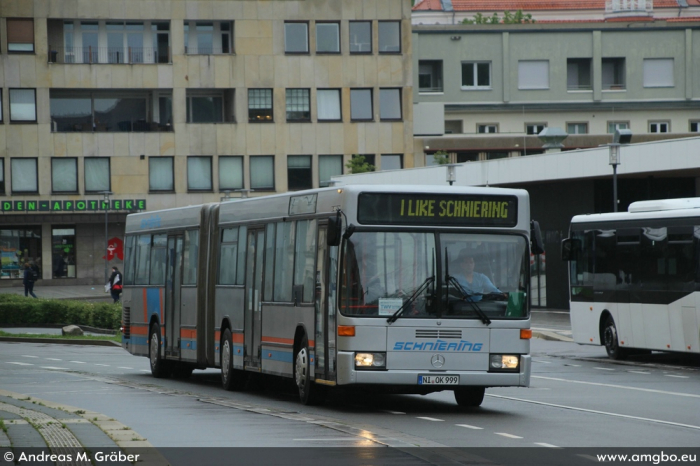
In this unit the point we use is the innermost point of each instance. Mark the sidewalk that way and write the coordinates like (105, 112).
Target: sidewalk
(86, 292)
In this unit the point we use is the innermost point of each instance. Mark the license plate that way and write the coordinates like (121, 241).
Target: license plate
(438, 380)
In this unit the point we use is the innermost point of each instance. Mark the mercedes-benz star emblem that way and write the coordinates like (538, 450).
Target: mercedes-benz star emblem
(438, 360)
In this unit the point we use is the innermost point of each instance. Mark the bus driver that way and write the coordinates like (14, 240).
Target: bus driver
(474, 283)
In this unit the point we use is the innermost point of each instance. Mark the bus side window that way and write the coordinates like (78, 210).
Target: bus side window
(228, 256)
(158, 256)
(305, 254)
(269, 261)
(129, 260)
(143, 259)
(191, 257)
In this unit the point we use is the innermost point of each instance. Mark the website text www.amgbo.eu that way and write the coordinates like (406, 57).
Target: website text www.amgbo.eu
(656, 458)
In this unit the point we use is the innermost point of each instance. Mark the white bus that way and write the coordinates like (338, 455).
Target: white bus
(346, 286)
(635, 278)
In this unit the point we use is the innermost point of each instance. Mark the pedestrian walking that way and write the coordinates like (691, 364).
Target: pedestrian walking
(30, 276)
(115, 284)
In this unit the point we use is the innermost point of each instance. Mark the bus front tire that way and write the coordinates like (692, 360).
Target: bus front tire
(469, 397)
(159, 367)
(611, 341)
(230, 379)
(309, 392)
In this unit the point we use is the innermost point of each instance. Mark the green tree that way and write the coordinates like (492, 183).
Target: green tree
(357, 164)
(508, 18)
(441, 158)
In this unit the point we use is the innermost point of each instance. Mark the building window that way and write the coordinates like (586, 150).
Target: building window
(20, 35)
(496, 155)
(613, 73)
(360, 37)
(1, 106)
(577, 128)
(230, 173)
(534, 128)
(208, 37)
(361, 105)
(328, 104)
(327, 37)
(476, 75)
(260, 105)
(63, 251)
(533, 74)
(299, 172)
(659, 127)
(210, 105)
(25, 176)
(391, 162)
(328, 167)
(430, 75)
(694, 126)
(492, 128)
(97, 174)
(578, 74)
(389, 37)
(298, 105)
(64, 175)
(2, 176)
(658, 72)
(454, 127)
(262, 172)
(161, 174)
(613, 125)
(19, 245)
(390, 104)
(22, 105)
(199, 175)
(296, 37)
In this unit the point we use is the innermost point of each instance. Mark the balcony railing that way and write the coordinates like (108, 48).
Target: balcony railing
(629, 6)
(65, 125)
(109, 55)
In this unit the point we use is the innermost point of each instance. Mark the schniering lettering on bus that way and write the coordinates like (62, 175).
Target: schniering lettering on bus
(410, 289)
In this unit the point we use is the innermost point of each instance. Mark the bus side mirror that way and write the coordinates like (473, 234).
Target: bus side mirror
(570, 248)
(536, 244)
(334, 227)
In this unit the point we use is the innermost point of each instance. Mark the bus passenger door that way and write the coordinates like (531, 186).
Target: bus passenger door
(325, 307)
(173, 281)
(253, 293)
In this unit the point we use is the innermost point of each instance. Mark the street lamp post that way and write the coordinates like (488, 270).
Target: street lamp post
(451, 173)
(106, 204)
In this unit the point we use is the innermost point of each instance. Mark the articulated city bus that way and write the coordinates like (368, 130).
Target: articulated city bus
(353, 286)
(635, 278)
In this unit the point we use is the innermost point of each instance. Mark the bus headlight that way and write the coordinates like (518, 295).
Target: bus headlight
(504, 362)
(370, 360)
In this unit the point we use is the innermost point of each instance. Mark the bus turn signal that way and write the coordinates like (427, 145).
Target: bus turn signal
(346, 330)
(525, 333)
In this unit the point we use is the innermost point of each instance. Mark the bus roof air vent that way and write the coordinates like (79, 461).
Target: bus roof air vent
(664, 204)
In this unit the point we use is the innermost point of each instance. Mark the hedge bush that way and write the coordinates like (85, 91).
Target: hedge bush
(18, 310)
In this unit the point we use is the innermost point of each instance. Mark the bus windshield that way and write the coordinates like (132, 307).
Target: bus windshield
(434, 274)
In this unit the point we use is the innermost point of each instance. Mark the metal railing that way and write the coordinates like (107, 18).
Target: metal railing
(109, 55)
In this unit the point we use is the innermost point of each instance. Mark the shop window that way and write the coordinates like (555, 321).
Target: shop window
(63, 251)
(17, 246)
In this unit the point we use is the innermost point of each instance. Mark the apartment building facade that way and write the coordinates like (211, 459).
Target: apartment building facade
(114, 106)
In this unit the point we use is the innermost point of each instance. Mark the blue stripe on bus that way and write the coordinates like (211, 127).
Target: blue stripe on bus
(192, 344)
(153, 304)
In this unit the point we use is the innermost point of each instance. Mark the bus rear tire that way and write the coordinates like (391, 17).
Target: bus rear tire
(231, 379)
(309, 392)
(159, 367)
(611, 342)
(469, 397)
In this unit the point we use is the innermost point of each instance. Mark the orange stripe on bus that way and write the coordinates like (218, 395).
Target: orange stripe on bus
(188, 333)
(285, 341)
(140, 330)
(237, 338)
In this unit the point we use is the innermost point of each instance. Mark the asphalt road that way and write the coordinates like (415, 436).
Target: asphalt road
(578, 398)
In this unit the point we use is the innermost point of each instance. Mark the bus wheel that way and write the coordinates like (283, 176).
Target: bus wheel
(469, 397)
(159, 367)
(230, 379)
(611, 342)
(309, 392)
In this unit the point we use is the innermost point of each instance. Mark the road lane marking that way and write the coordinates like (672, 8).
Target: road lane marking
(145, 370)
(53, 359)
(639, 372)
(28, 356)
(391, 412)
(78, 362)
(594, 411)
(573, 365)
(548, 445)
(506, 435)
(469, 427)
(21, 363)
(125, 368)
(603, 368)
(677, 376)
(540, 361)
(53, 368)
(103, 365)
(648, 390)
(429, 419)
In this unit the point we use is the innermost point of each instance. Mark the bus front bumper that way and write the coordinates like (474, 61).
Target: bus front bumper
(347, 375)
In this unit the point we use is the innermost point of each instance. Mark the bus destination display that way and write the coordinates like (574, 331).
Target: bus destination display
(439, 209)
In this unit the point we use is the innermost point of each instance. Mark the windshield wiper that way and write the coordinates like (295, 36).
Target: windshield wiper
(428, 281)
(466, 296)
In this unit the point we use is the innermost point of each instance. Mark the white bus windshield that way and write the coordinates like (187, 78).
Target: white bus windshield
(428, 275)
